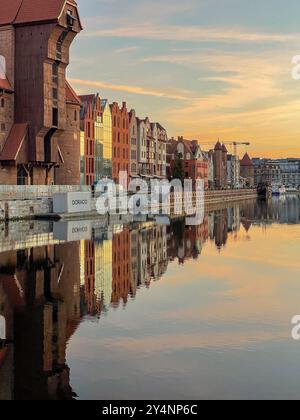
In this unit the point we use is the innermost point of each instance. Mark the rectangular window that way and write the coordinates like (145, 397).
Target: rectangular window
(70, 18)
(55, 73)
(54, 117)
(54, 93)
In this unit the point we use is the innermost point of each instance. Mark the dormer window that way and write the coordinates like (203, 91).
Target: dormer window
(70, 18)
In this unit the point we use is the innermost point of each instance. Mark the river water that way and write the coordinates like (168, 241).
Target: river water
(154, 311)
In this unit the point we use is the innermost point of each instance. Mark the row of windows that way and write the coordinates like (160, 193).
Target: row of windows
(117, 153)
(118, 138)
(90, 147)
(118, 167)
(117, 122)
(90, 165)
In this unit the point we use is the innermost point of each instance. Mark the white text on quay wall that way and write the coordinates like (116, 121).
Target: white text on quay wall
(296, 328)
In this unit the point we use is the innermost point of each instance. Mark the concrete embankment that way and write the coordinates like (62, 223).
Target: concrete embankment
(38, 203)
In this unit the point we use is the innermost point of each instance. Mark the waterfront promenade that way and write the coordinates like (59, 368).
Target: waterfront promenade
(19, 203)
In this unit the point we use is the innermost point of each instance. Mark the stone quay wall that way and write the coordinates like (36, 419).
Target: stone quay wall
(21, 209)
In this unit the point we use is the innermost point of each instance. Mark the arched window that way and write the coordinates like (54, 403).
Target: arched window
(2, 328)
(2, 67)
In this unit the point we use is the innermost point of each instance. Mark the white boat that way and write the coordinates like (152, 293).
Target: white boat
(278, 190)
(292, 190)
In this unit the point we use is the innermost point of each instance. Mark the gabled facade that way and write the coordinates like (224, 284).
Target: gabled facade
(106, 141)
(195, 162)
(133, 132)
(233, 171)
(90, 115)
(160, 141)
(120, 139)
(145, 147)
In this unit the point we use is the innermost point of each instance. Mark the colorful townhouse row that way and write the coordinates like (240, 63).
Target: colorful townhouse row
(114, 139)
(49, 135)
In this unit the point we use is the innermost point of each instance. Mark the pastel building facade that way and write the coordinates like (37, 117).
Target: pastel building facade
(233, 171)
(105, 141)
(133, 129)
(160, 137)
(145, 148)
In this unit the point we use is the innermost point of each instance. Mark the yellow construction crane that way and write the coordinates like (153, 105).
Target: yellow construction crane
(234, 144)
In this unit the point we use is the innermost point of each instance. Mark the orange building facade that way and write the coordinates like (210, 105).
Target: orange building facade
(120, 140)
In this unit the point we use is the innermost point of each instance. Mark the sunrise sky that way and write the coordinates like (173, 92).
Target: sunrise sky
(203, 68)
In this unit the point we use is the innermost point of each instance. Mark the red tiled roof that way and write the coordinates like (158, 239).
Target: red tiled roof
(9, 10)
(5, 85)
(14, 142)
(246, 161)
(25, 11)
(71, 96)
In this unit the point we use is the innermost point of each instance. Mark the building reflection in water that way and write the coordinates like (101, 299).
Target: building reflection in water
(45, 292)
(40, 300)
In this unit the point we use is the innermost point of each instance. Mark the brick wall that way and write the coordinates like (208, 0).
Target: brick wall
(8, 175)
(68, 172)
(121, 143)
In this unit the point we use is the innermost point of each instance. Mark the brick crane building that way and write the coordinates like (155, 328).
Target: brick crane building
(38, 117)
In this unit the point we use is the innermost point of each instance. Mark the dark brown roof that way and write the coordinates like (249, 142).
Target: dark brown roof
(218, 146)
(87, 98)
(25, 11)
(71, 96)
(5, 85)
(246, 161)
(88, 103)
(224, 149)
(14, 142)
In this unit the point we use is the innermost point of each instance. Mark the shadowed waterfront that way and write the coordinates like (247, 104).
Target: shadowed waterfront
(144, 310)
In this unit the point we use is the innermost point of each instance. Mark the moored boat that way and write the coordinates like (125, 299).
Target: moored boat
(278, 190)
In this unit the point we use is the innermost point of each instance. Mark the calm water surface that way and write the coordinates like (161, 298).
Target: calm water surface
(147, 311)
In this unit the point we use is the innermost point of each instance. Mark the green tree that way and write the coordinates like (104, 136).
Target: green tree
(178, 170)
